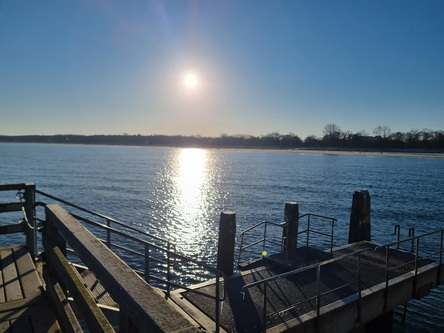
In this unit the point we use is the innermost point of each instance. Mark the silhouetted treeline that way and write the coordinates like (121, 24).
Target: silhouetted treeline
(334, 138)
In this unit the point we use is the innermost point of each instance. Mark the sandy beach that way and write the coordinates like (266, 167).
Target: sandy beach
(347, 152)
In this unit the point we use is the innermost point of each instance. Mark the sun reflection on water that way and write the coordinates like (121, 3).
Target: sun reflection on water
(191, 181)
(191, 200)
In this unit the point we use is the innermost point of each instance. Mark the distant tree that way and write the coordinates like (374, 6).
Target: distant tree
(332, 134)
(311, 141)
(382, 131)
(332, 131)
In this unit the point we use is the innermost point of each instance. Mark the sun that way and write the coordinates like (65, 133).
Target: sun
(190, 81)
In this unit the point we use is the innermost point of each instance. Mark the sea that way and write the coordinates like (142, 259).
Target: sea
(179, 194)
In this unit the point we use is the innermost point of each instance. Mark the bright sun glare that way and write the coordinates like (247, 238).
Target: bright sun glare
(190, 80)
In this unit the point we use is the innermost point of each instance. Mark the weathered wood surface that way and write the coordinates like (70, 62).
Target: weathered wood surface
(15, 187)
(23, 307)
(144, 306)
(71, 280)
(10, 207)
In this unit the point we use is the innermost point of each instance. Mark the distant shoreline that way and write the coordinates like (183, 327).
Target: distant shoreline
(331, 151)
(344, 152)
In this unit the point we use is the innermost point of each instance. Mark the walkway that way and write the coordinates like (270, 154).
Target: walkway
(291, 300)
(23, 307)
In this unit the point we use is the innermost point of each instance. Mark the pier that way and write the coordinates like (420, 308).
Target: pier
(70, 274)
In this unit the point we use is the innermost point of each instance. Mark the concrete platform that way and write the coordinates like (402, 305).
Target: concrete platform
(291, 301)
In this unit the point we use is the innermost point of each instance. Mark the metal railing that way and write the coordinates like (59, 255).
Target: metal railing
(266, 242)
(152, 251)
(309, 230)
(357, 283)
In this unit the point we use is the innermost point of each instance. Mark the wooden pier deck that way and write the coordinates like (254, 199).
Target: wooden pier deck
(23, 307)
(291, 303)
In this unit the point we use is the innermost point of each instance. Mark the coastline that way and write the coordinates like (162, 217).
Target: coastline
(344, 152)
(332, 151)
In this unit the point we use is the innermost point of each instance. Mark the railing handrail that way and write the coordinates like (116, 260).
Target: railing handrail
(320, 216)
(166, 251)
(107, 218)
(358, 253)
(331, 260)
(409, 239)
(283, 225)
(303, 269)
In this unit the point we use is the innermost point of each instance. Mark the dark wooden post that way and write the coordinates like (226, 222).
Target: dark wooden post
(360, 226)
(291, 219)
(31, 234)
(225, 248)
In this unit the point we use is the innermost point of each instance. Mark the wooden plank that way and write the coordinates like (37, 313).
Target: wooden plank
(44, 321)
(26, 270)
(66, 315)
(40, 317)
(11, 281)
(20, 303)
(15, 187)
(10, 207)
(21, 324)
(144, 306)
(12, 228)
(5, 326)
(2, 287)
(96, 320)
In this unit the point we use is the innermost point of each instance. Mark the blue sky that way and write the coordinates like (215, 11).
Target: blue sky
(114, 67)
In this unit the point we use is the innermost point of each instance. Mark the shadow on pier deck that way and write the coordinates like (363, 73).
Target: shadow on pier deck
(331, 297)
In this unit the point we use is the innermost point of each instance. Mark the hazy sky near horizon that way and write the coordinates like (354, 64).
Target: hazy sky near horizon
(253, 66)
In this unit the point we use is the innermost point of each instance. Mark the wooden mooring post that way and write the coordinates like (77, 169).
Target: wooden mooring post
(227, 236)
(360, 226)
(291, 219)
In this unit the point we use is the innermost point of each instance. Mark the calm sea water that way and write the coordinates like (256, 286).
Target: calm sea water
(179, 193)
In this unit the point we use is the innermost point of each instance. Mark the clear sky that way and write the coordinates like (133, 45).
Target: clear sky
(254, 66)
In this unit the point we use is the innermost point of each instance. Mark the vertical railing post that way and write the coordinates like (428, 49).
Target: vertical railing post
(359, 289)
(31, 234)
(387, 267)
(332, 236)
(265, 237)
(168, 272)
(397, 232)
(108, 233)
(308, 229)
(264, 311)
(217, 302)
(440, 256)
(147, 262)
(415, 281)
(412, 235)
(318, 290)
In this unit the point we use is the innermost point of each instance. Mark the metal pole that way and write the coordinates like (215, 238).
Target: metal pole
(386, 275)
(318, 287)
(217, 303)
(147, 263)
(440, 256)
(264, 312)
(397, 232)
(308, 229)
(265, 237)
(359, 288)
(168, 273)
(108, 233)
(412, 234)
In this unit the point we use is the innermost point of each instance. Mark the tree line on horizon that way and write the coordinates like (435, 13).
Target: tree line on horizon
(333, 137)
